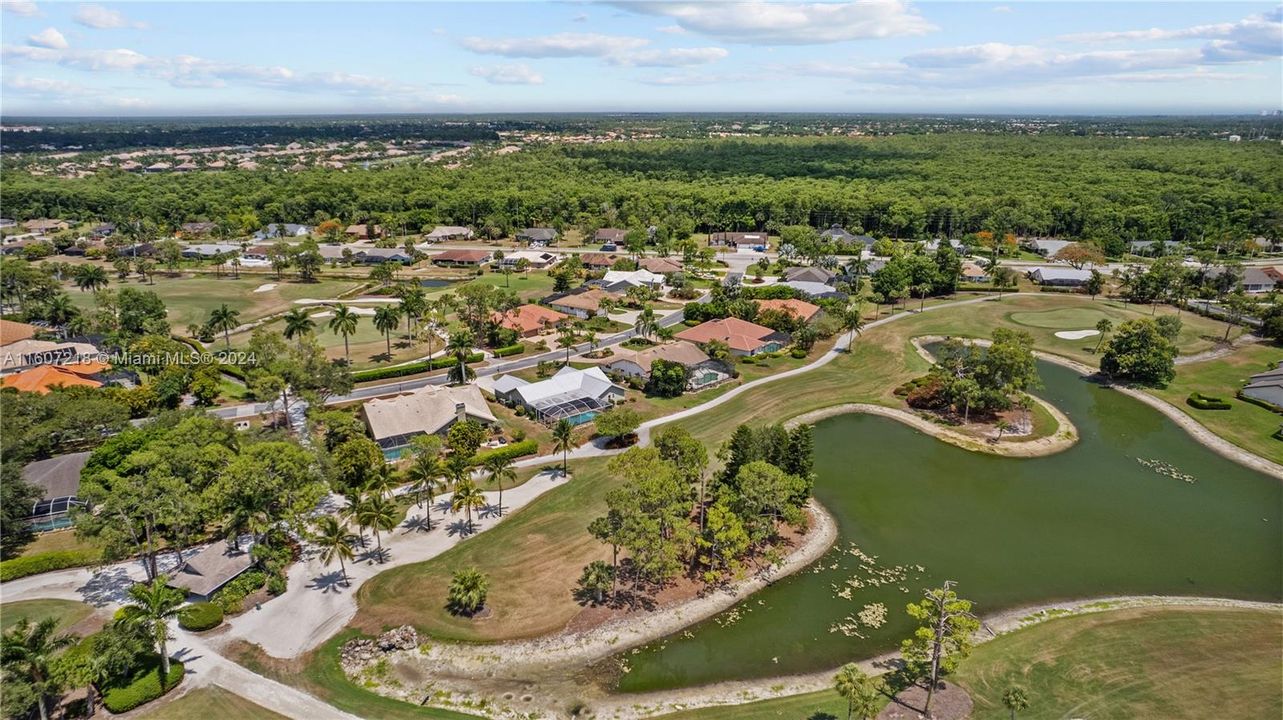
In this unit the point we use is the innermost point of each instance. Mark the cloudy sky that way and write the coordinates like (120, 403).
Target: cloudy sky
(865, 56)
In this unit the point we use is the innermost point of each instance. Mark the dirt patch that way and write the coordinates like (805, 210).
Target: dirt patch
(950, 702)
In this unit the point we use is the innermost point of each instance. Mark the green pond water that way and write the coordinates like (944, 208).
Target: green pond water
(1088, 522)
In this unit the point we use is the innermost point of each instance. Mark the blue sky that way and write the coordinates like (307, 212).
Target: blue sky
(864, 56)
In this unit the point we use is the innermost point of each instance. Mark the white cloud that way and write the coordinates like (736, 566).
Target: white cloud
(63, 93)
(776, 23)
(671, 29)
(674, 57)
(1254, 37)
(20, 8)
(48, 38)
(693, 79)
(561, 45)
(508, 75)
(187, 71)
(1001, 9)
(97, 16)
(42, 86)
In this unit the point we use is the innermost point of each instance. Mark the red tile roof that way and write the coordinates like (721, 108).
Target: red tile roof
(800, 308)
(737, 334)
(12, 332)
(45, 378)
(529, 318)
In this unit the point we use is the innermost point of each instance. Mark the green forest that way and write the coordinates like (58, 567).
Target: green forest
(902, 186)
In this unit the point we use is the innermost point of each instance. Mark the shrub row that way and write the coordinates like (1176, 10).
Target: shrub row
(231, 598)
(46, 562)
(200, 616)
(511, 451)
(509, 350)
(1206, 402)
(413, 368)
(143, 687)
(1259, 403)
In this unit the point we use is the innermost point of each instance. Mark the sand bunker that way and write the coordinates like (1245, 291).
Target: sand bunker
(265, 287)
(357, 310)
(1076, 334)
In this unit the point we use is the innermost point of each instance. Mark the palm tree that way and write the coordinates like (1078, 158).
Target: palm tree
(859, 690)
(466, 497)
(433, 319)
(425, 476)
(298, 323)
(646, 324)
(460, 347)
(378, 513)
(1003, 427)
(335, 542)
(153, 607)
(413, 304)
(500, 469)
(344, 323)
(566, 338)
(467, 590)
(386, 319)
(59, 310)
(225, 319)
(852, 321)
(28, 651)
(90, 278)
(383, 483)
(1015, 699)
(1103, 326)
(563, 441)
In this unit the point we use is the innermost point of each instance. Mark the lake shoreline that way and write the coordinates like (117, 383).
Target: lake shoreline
(1192, 427)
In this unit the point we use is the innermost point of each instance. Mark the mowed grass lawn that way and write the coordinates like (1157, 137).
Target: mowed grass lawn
(534, 558)
(1247, 425)
(1143, 663)
(210, 702)
(66, 612)
(189, 298)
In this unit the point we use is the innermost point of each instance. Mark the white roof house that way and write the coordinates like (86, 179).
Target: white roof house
(429, 410)
(1059, 276)
(813, 289)
(447, 232)
(635, 278)
(210, 249)
(576, 395)
(536, 258)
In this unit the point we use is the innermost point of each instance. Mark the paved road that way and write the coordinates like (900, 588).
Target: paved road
(232, 412)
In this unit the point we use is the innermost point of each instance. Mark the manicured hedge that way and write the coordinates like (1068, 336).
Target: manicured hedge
(413, 368)
(46, 562)
(143, 687)
(510, 451)
(1207, 402)
(510, 350)
(200, 616)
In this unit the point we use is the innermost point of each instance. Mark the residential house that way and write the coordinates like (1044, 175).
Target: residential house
(1261, 279)
(157, 167)
(741, 336)
(838, 235)
(376, 256)
(282, 230)
(7, 223)
(811, 274)
(45, 226)
(1060, 276)
(1047, 247)
(814, 289)
(28, 352)
(574, 395)
(43, 379)
(538, 236)
(102, 231)
(622, 280)
(804, 310)
(442, 233)
(12, 332)
(196, 228)
(660, 266)
(530, 320)
(186, 166)
(583, 303)
(538, 260)
(973, 273)
(735, 239)
(702, 371)
(462, 258)
(597, 261)
(610, 236)
(1152, 248)
(431, 410)
(211, 567)
(257, 253)
(208, 250)
(58, 479)
(363, 232)
(1266, 387)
